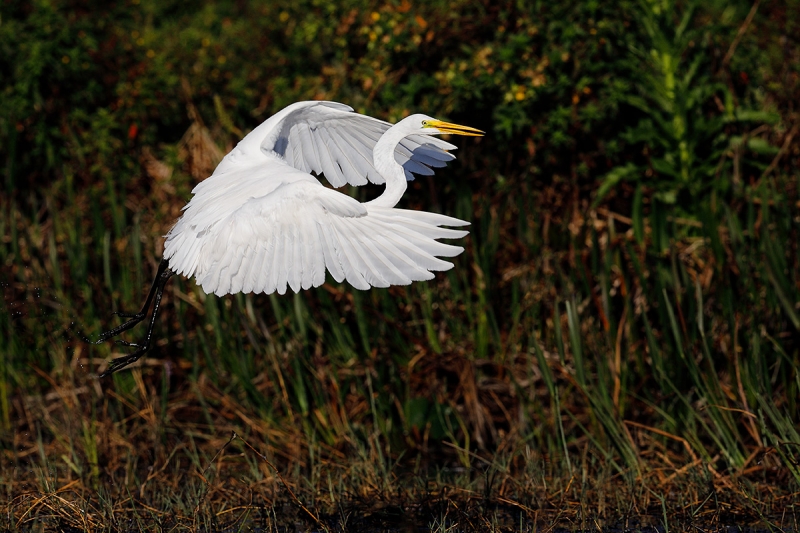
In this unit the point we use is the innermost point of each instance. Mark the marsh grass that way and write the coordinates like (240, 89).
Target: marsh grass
(618, 383)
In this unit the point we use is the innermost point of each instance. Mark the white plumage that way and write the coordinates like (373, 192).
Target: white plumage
(261, 222)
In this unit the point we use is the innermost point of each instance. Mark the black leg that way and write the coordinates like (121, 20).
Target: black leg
(122, 362)
(156, 292)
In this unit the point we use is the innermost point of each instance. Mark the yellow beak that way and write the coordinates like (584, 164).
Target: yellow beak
(454, 129)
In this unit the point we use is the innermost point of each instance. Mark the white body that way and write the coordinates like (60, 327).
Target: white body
(262, 222)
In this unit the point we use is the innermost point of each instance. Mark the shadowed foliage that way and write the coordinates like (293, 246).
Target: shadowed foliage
(619, 346)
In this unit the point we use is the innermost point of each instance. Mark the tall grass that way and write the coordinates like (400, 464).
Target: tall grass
(684, 351)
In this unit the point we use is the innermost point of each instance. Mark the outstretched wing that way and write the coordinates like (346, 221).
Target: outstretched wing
(329, 138)
(292, 235)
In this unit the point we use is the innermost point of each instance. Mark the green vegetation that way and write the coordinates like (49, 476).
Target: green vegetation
(621, 338)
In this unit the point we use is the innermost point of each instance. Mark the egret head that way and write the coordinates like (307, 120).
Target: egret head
(425, 125)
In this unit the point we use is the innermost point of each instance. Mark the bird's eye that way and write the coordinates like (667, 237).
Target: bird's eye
(424, 122)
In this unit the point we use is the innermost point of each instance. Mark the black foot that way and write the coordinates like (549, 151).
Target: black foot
(122, 362)
(128, 344)
(154, 297)
(137, 316)
(78, 333)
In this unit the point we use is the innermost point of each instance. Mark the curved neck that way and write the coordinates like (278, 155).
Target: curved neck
(391, 170)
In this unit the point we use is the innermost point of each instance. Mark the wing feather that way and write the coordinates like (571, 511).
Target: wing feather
(236, 270)
(288, 259)
(421, 156)
(352, 262)
(274, 278)
(305, 149)
(402, 260)
(332, 171)
(291, 236)
(356, 162)
(425, 243)
(331, 255)
(306, 237)
(294, 259)
(265, 275)
(387, 267)
(254, 268)
(417, 254)
(417, 168)
(317, 260)
(329, 138)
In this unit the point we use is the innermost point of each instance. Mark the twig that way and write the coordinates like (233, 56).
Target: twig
(781, 152)
(733, 409)
(616, 216)
(665, 434)
(286, 485)
(740, 34)
(203, 473)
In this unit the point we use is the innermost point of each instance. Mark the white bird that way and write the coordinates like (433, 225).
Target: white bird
(262, 221)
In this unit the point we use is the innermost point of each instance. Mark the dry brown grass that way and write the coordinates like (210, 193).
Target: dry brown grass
(177, 463)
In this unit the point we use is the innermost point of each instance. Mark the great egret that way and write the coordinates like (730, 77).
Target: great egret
(262, 222)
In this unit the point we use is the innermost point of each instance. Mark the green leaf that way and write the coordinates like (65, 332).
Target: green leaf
(613, 177)
(761, 146)
(665, 167)
(753, 115)
(638, 214)
(668, 197)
